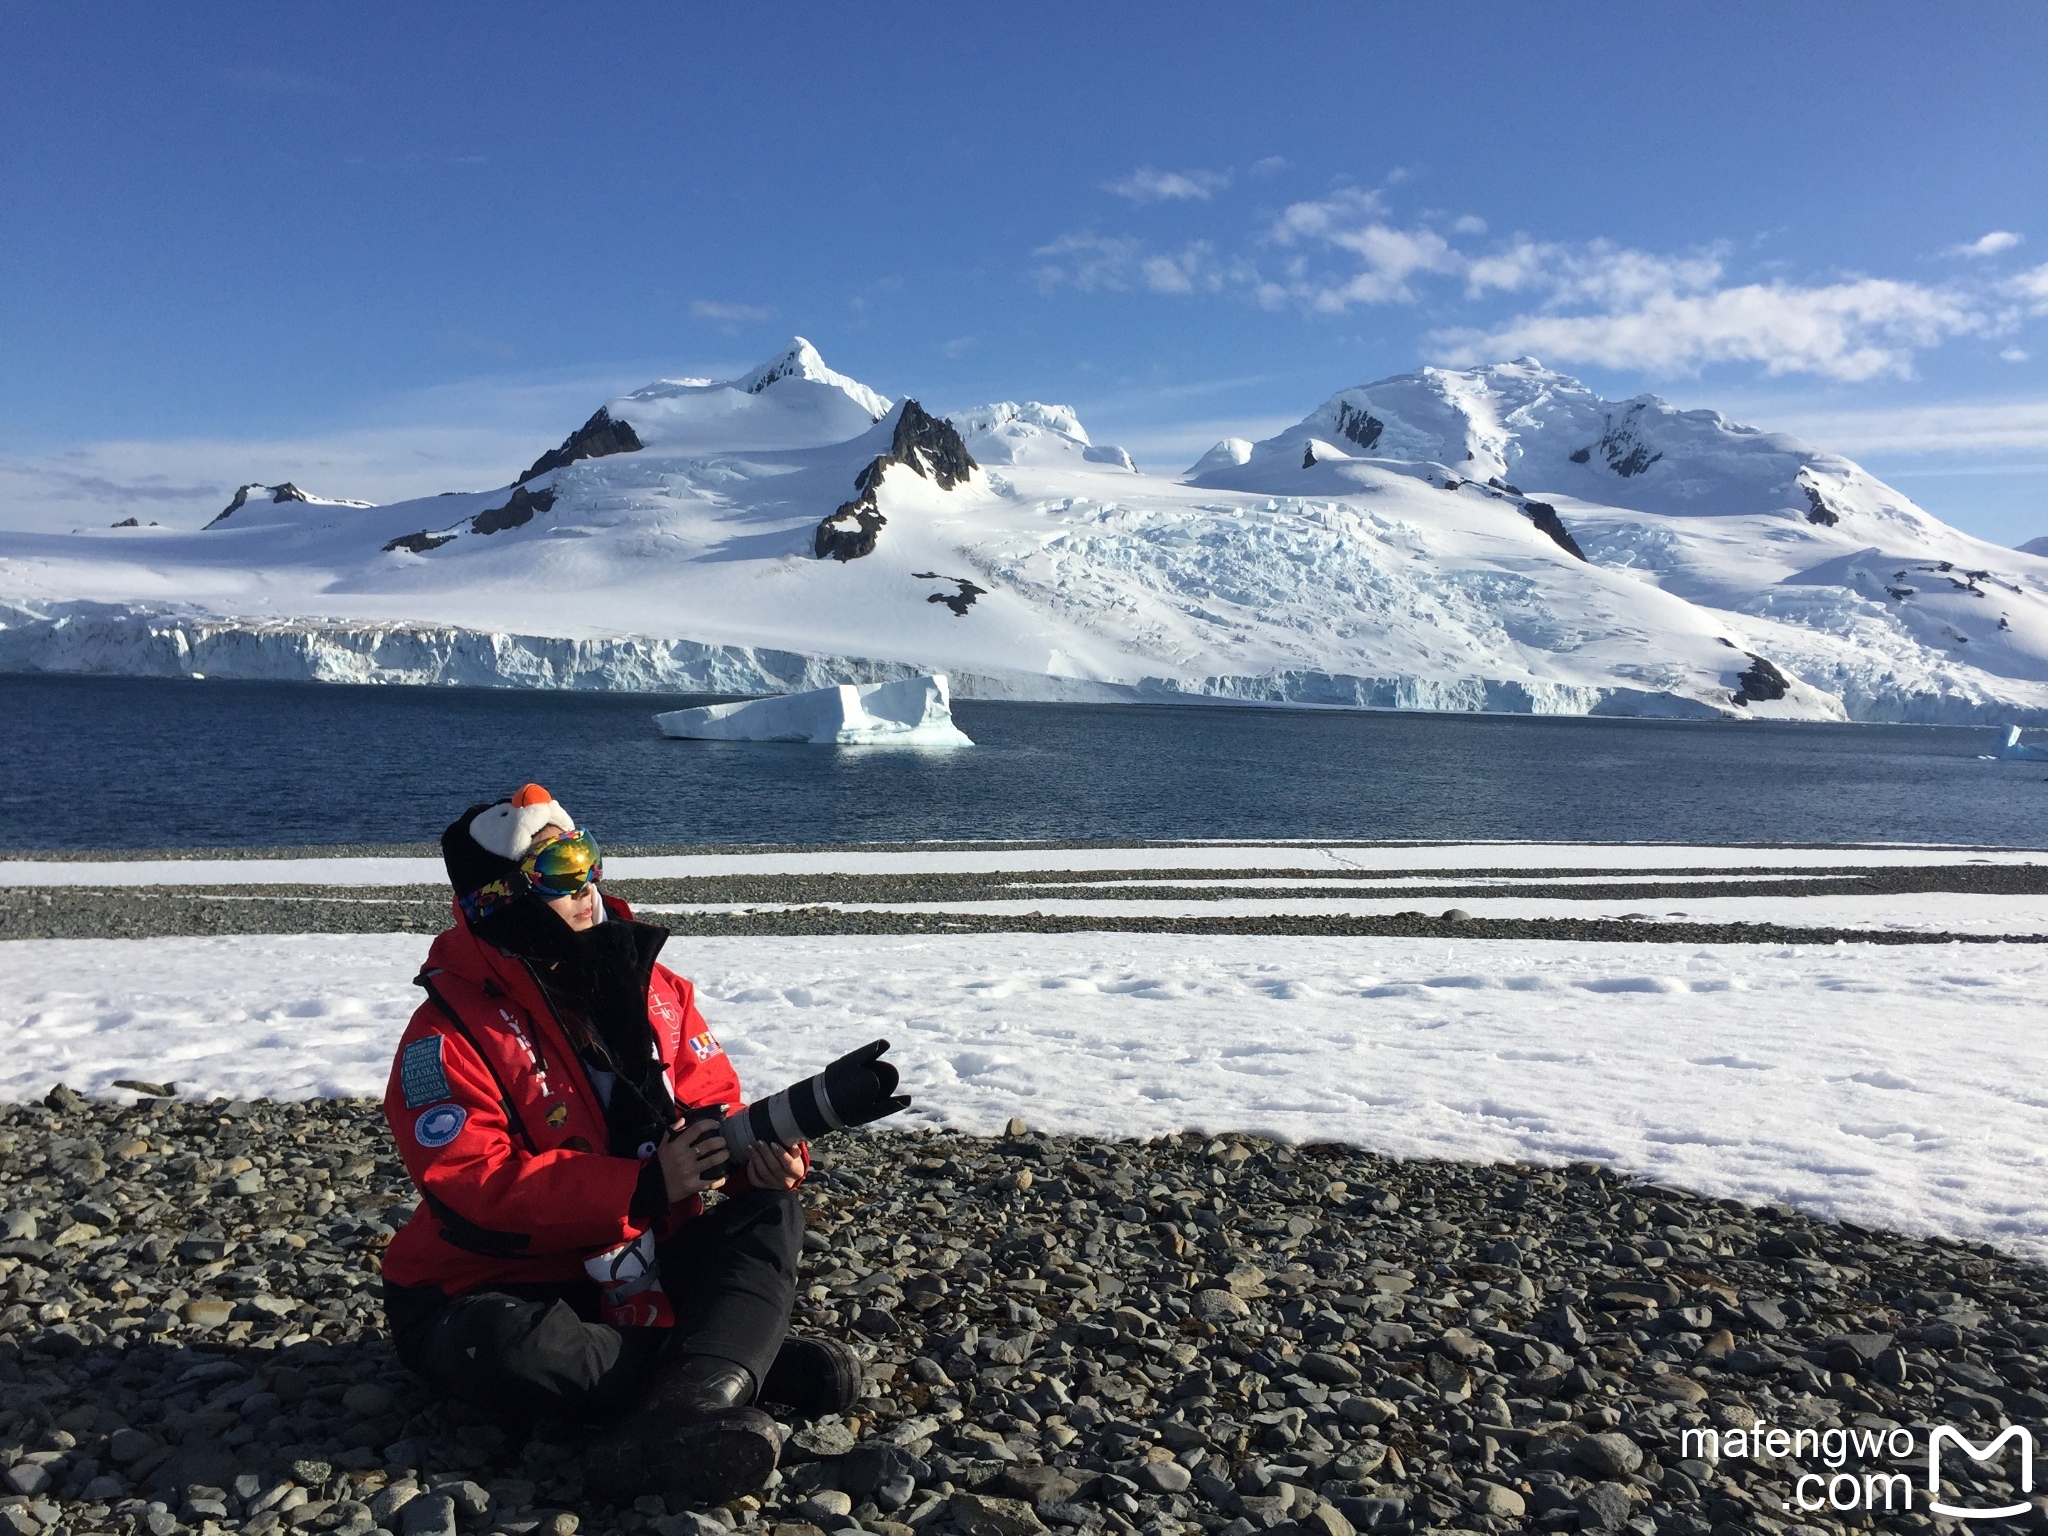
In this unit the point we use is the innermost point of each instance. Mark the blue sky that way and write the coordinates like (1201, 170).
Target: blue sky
(389, 252)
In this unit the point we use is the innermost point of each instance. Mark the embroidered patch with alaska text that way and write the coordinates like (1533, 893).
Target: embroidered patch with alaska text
(704, 1046)
(440, 1125)
(420, 1074)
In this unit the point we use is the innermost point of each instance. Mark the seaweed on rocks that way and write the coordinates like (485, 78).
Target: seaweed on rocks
(1062, 1332)
(604, 434)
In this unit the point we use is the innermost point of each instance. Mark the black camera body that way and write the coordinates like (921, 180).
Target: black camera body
(857, 1089)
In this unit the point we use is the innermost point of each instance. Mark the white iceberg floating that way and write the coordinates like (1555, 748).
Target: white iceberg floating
(915, 712)
(2016, 751)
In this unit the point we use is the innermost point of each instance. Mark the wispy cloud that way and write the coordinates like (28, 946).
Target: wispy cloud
(1954, 428)
(1666, 314)
(1351, 222)
(1148, 184)
(2031, 288)
(1853, 330)
(1987, 245)
(729, 314)
(1122, 264)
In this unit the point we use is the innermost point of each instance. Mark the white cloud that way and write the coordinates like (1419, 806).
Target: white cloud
(1349, 221)
(729, 314)
(2014, 355)
(1272, 165)
(1955, 428)
(1147, 184)
(1850, 330)
(1122, 263)
(1598, 303)
(959, 346)
(1988, 245)
(2032, 288)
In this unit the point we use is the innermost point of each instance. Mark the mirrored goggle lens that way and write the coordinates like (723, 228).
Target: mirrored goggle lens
(564, 866)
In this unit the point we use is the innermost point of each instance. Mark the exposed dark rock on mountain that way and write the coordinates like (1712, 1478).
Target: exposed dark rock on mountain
(1817, 508)
(1581, 455)
(1544, 516)
(134, 522)
(928, 446)
(1761, 682)
(959, 601)
(516, 513)
(278, 493)
(1358, 426)
(1308, 456)
(1627, 454)
(850, 532)
(419, 543)
(604, 434)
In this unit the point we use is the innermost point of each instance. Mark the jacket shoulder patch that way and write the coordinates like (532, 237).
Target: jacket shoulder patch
(440, 1125)
(420, 1074)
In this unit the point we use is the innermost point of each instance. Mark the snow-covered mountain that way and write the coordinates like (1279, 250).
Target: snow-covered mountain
(1492, 538)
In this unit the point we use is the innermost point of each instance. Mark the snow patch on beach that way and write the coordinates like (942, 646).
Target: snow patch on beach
(1892, 1086)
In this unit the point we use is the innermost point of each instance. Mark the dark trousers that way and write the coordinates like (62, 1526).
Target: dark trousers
(534, 1351)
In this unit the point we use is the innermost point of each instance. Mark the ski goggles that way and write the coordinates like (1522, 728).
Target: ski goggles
(562, 866)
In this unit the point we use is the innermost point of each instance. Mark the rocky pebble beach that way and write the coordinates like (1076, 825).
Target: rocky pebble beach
(1188, 1335)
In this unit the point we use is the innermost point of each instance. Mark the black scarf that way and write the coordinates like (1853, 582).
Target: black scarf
(596, 980)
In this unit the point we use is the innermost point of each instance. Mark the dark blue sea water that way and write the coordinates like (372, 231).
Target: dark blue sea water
(130, 762)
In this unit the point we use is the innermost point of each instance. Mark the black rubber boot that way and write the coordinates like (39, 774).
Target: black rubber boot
(712, 1461)
(813, 1376)
(693, 1435)
(699, 1387)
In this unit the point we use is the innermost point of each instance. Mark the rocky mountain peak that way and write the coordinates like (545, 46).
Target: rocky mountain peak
(800, 360)
(926, 445)
(598, 437)
(277, 495)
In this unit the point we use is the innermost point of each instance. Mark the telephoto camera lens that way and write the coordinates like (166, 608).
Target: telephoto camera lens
(858, 1088)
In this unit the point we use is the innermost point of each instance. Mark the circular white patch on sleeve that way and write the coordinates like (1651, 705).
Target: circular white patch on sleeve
(439, 1125)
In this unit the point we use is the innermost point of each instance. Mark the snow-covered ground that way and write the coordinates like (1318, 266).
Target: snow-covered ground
(1897, 1086)
(1414, 543)
(1914, 912)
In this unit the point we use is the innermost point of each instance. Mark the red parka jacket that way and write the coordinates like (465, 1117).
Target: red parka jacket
(503, 1134)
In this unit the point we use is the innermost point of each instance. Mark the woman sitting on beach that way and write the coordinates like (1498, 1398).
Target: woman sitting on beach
(562, 1262)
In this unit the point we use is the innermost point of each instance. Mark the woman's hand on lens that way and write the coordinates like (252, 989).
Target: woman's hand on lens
(771, 1166)
(693, 1160)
